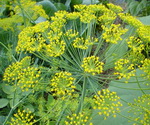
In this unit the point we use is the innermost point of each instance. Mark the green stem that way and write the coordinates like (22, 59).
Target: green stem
(8, 50)
(139, 84)
(83, 95)
(24, 19)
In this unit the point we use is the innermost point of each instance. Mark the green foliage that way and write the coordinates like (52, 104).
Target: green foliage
(140, 8)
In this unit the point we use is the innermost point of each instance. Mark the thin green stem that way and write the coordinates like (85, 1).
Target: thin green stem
(83, 95)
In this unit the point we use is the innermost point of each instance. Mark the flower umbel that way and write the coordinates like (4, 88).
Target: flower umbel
(141, 110)
(62, 84)
(22, 118)
(77, 119)
(22, 75)
(92, 65)
(107, 103)
(83, 44)
(113, 33)
(146, 68)
(124, 69)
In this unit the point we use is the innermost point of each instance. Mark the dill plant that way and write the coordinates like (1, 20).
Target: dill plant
(64, 66)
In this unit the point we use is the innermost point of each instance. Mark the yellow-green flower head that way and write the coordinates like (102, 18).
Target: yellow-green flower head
(84, 43)
(141, 109)
(107, 103)
(135, 44)
(146, 68)
(92, 8)
(113, 33)
(92, 65)
(71, 34)
(131, 20)
(88, 13)
(54, 49)
(80, 7)
(87, 17)
(22, 75)
(62, 84)
(144, 33)
(10, 22)
(31, 39)
(73, 16)
(124, 69)
(58, 21)
(107, 18)
(135, 57)
(77, 119)
(115, 8)
(22, 118)
(30, 9)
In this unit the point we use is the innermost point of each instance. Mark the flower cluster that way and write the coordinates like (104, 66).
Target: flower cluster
(58, 21)
(83, 44)
(92, 65)
(144, 33)
(135, 44)
(62, 84)
(54, 49)
(88, 13)
(73, 16)
(30, 9)
(130, 20)
(146, 68)
(77, 119)
(113, 33)
(107, 103)
(39, 39)
(31, 38)
(136, 47)
(141, 110)
(124, 69)
(71, 34)
(107, 18)
(22, 118)
(9, 23)
(22, 75)
(115, 8)
(135, 57)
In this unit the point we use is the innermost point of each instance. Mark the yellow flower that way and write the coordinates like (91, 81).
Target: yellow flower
(54, 49)
(131, 20)
(31, 39)
(124, 69)
(22, 118)
(84, 44)
(146, 68)
(115, 8)
(113, 33)
(73, 16)
(30, 9)
(58, 21)
(10, 23)
(141, 109)
(22, 75)
(107, 103)
(92, 65)
(144, 33)
(135, 44)
(62, 84)
(107, 18)
(77, 119)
